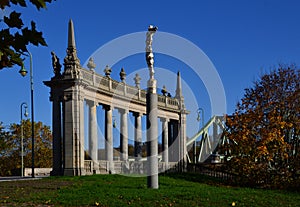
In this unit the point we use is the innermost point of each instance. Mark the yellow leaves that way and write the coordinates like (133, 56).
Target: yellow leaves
(48, 201)
(265, 124)
(262, 150)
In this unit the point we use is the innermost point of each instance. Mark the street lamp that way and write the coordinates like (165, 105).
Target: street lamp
(199, 111)
(23, 72)
(22, 143)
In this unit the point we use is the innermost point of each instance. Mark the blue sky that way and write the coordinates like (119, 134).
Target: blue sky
(243, 39)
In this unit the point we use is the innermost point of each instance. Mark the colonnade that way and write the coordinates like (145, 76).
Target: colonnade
(167, 138)
(76, 85)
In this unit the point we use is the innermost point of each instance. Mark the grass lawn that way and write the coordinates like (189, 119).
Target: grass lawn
(117, 190)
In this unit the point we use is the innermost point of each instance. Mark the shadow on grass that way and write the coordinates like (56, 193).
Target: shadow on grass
(196, 177)
(213, 181)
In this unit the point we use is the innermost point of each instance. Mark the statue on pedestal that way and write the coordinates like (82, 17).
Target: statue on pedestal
(55, 64)
(149, 53)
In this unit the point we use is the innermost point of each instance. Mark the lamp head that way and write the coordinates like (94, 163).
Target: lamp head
(26, 112)
(23, 71)
(198, 115)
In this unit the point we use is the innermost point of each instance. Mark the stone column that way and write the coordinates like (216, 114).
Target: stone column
(182, 143)
(124, 134)
(165, 136)
(81, 133)
(138, 136)
(93, 137)
(176, 141)
(151, 109)
(170, 140)
(57, 138)
(152, 135)
(109, 138)
(74, 133)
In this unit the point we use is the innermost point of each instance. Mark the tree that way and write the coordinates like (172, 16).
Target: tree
(264, 131)
(15, 36)
(10, 152)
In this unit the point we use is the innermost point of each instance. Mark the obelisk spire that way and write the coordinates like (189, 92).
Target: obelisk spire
(71, 61)
(71, 36)
(179, 95)
(178, 86)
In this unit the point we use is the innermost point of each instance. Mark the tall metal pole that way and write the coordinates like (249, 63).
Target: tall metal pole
(151, 103)
(22, 141)
(23, 72)
(32, 116)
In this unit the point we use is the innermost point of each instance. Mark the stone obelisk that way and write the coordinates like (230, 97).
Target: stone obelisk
(151, 102)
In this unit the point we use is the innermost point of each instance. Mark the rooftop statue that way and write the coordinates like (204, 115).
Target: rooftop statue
(55, 64)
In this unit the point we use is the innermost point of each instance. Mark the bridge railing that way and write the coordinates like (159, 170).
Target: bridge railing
(212, 170)
(123, 89)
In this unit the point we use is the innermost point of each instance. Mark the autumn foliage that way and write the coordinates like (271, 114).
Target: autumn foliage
(10, 147)
(264, 131)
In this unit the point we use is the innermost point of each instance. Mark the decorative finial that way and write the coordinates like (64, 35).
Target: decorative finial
(149, 53)
(164, 91)
(107, 71)
(122, 75)
(137, 80)
(56, 65)
(91, 64)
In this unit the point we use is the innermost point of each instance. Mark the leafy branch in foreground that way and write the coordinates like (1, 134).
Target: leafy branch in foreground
(15, 36)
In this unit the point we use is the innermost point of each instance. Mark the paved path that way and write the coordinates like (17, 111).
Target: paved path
(17, 178)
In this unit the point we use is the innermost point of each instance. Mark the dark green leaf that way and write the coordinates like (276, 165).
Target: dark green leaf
(20, 2)
(14, 20)
(4, 3)
(39, 3)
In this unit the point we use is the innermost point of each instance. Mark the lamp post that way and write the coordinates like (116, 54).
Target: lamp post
(23, 72)
(200, 110)
(22, 143)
